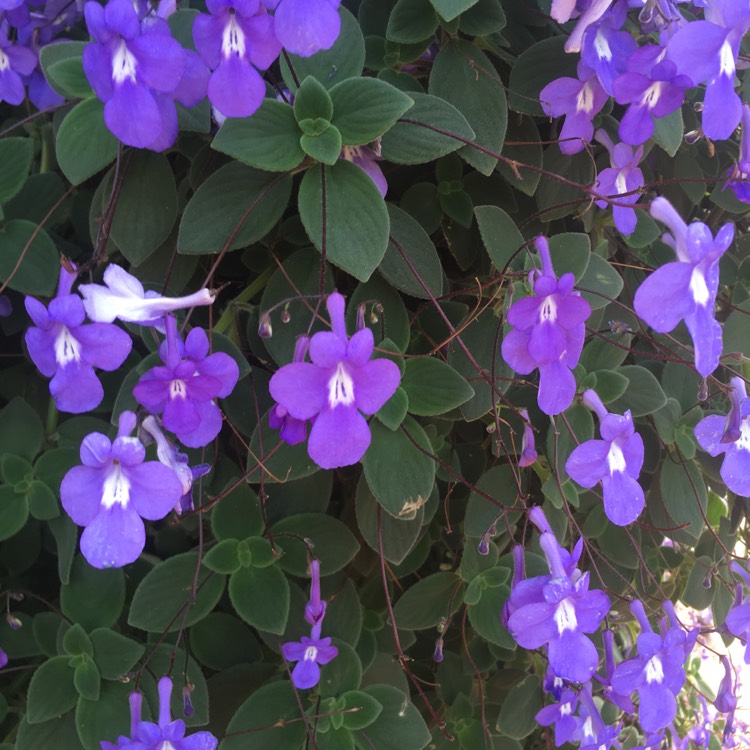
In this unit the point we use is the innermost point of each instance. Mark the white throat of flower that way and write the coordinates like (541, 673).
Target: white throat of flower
(743, 443)
(698, 287)
(601, 45)
(123, 64)
(177, 389)
(565, 617)
(116, 489)
(166, 745)
(620, 184)
(585, 99)
(654, 670)
(233, 39)
(615, 458)
(67, 348)
(4, 61)
(311, 654)
(340, 388)
(548, 310)
(726, 61)
(652, 95)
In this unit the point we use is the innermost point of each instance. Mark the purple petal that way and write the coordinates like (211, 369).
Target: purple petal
(75, 388)
(104, 345)
(533, 625)
(735, 471)
(738, 620)
(209, 427)
(161, 61)
(41, 346)
(301, 388)
(133, 115)
(306, 674)
(657, 708)
(327, 349)
(222, 368)
(339, 437)
(664, 298)
(236, 88)
(709, 433)
(293, 651)
(81, 494)
(573, 656)
(515, 351)
(587, 464)
(181, 415)
(154, 490)
(264, 45)
(306, 26)
(707, 340)
(557, 388)
(547, 342)
(97, 64)
(374, 383)
(695, 50)
(114, 538)
(360, 347)
(623, 498)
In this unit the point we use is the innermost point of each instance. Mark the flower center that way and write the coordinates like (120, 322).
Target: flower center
(603, 52)
(726, 60)
(340, 388)
(116, 487)
(177, 389)
(652, 94)
(4, 61)
(615, 458)
(743, 443)
(67, 348)
(620, 183)
(585, 99)
(233, 40)
(123, 64)
(654, 670)
(698, 287)
(566, 709)
(565, 617)
(548, 310)
(166, 745)
(311, 654)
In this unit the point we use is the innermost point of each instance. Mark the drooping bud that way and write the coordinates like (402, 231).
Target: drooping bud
(265, 329)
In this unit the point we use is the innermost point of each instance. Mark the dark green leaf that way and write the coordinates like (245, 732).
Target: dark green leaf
(76, 642)
(312, 102)
(324, 147)
(15, 156)
(519, 708)
(51, 690)
(87, 680)
(14, 510)
(643, 395)
(29, 261)
(412, 21)
(260, 596)
(114, 653)
(367, 709)
(221, 640)
(237, 515)
(93, 597)
(21, 430)
(433, 387)
(668, 131)
(537, 66)
(601, 284)
(425, 603)
(51, 56)
(105, 718)
(223, 558)
(500, 236)
(684, 493)
(450, 9)
(499, 483)
(399, 727)
(485, 620)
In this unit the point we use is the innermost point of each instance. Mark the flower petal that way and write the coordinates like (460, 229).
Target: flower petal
(339, 437)
(114, 538)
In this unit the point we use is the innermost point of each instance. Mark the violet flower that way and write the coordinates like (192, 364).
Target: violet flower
(292, 431)
(15, 61)
(135, 701)
(561, 715)
(726, 699)
(686, 289)
(340, 385)
(184, 390)
(3, 659)
(305, 27)
(738, 177)
(592, 733)
(738, 619)
(593, 13)
(657, 673)
(124, 298)
(580, 100)
(169, 456)
(366, 158)
(547, 332)
(558, 611)
(653, 88)
(620, 181)
(615, 461)
(315, 609)
(528, 449)
(113, 491)
(67, 350)
(730, 435)
(129, 69)
(235, 40)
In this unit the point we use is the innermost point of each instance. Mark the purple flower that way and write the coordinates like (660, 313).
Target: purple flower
(291, 430)
(315, 609)
(653, 88)
(580, 100)
(557, 611)
(738, 619)
(561, 715)
(657, 673)
(131, 69)
(305, 27)
(617, 181)
(135, 700)
(185, 389)
(595, 10)
(309, 653)
(366, 158)
(169, 456)
(167, 734)
(592, 732)
(547, 332)
(67, 350)
(234, 40)
(707, 51)
(3, 659)
(615, 461)
(6, 308)
(738, 177)
(726, 699)
(730, 435)
(15, 61)
(113, 491)
(340, 385)
(528, 449)
(686, 290)
(124, 298)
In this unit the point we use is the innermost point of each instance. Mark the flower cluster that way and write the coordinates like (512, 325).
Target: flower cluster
(310, 653)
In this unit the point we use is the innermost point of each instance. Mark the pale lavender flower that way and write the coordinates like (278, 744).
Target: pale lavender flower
(615, 461)
(738, 177)
(336, 389)
(547, 332)
(595, 11)
(236, 40)
(580, 100)
(113, 491)
(730, 435)
(726, 698)
(67, 350)
(124, 298)
(738, 619)
(15, 61)
(185, 389)
(528, 449)
(305, 27)
(686, 290)
(366, 158)
(291, 430)
(617, 181)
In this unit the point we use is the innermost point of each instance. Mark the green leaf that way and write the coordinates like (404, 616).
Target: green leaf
(268, 140)
(364, 108)
(643, 395)
(412, 21)
(367, 709)
(423, 134)
(428, 601)
(355, 217)
(500, 235)
(62, 66)
(42, 501)
(147, 206)
(312, 101)
(324, 147)
(84, 145)
(497, 482)
(385, 313)
(433, 386)
(160, 600)
(335, 739)
(260, 596)
(332, 543)
(450, 9)
(220, 641)
(483, 18)
(394, 410)
(14, 469)
(223, 558)
(21, 430)
(398, 474)
(484, 618)
(684, 493)
(29, 261)
(270, 716)
(236, 205)
(556, 198)
(610, 385)
(51, 690)
(519, 708)
(571, 253)
(59, 733)
(105, 718)
(275, 460)
(15, 156)
(345, 59)
(411, 252)
(601, 283)
(93, 597)
(76, 642)
(669, 130)
(464, 76)
(237, 515)
(114, 654)
(399, 727)
(87, 680)
(14, 511)
(342, 674)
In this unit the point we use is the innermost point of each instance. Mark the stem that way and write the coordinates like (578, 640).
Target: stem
(52, 415)
(244, 296)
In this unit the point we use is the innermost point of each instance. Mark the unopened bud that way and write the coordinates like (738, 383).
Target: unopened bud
(361, 316)
(187, 704)
(698, 106)
(693, 136)
(483, 548)
(265, 329)
(438, 655)
(703, 390)
(285, 316)
(13, 621)
(707, 582)
(16, 596)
